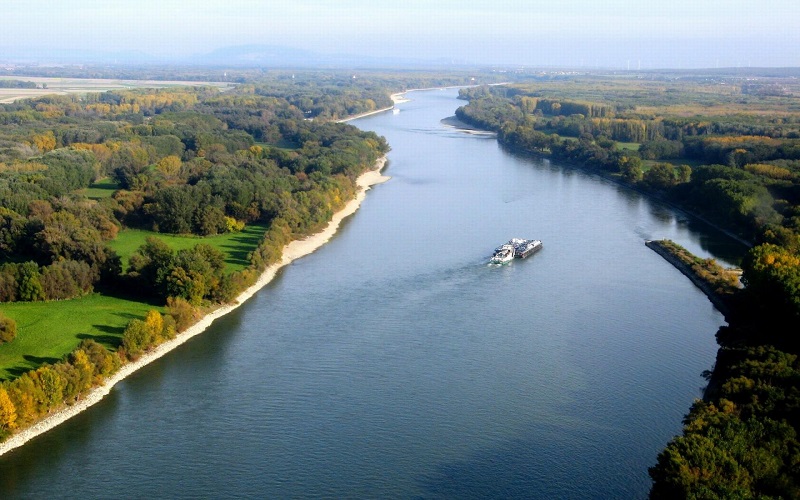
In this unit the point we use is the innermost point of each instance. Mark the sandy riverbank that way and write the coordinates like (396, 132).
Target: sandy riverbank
(454, 122)
(292, 251)
(396, 98)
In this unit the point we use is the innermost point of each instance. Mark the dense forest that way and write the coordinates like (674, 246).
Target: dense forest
(78, 171)
(728, 150)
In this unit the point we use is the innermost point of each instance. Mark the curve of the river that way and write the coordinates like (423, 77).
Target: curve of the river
(394, 363)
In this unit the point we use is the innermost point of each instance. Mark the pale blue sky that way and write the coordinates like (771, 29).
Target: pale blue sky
(674, 33)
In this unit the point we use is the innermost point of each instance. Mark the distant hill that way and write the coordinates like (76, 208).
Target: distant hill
(241, 56)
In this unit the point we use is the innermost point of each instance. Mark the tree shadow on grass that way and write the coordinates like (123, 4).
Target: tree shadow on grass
(124, 315)
(34, 363)
(239, 247)
(40, 360)
(116, 330)
(107, 341)
(133, 294)
(237, 256)
(17, 371)
(238, 252)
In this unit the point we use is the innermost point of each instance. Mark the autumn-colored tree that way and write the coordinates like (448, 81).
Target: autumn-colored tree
(101, 151)
(8, 329)
(52, 388)
(45, 142)
(154, 323)
(771, 275)
(24, 393)
(771, 171)
(184, 313)
(232, 225)
(169, 166)
(84, 369)
(8, 412)
(256, 151)
(103, 361)
(135, 338)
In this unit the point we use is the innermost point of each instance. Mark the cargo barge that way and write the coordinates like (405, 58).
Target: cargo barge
(521, 248)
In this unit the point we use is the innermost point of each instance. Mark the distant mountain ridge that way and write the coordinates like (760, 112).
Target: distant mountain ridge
(240, 56)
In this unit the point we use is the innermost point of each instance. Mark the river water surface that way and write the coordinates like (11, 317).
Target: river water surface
(395, 363)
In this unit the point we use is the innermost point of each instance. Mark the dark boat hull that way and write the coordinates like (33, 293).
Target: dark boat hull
(528, 252)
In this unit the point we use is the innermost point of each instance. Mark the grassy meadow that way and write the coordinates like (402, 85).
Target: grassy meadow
(46, 331)
(101, 189)
(235, 246)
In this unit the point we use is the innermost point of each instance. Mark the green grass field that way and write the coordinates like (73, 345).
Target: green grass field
(235, 246)
(46, 331)
(628, 146)
(103, 188)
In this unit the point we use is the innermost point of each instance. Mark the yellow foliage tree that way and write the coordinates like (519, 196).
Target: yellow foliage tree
(256, 151)
(154, 323)
(101, 151)
(80, 360)
(45, 142)
(170, 166)
(8, 413)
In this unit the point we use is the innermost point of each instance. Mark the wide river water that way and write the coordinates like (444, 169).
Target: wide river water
(395, 363)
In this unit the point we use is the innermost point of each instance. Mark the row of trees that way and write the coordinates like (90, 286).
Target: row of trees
(37, 393)
(27, 282)
(16, 84)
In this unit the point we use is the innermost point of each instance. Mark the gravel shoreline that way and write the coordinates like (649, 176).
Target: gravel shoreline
(292, 251)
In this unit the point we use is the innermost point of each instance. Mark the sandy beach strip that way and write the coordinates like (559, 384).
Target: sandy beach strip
(292, 251)
(396, 99)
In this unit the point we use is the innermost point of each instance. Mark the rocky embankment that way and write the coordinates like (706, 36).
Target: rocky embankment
(711, 289)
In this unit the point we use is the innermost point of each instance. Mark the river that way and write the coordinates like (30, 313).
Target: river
(395, 363)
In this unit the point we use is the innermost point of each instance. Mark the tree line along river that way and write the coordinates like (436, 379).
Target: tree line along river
(395, 363)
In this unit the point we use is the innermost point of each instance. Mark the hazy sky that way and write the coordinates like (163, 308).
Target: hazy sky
(663, 33)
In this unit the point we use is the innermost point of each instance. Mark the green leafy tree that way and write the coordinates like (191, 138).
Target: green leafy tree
(210, 220)
(150, 265)
(30, 287)
(684, 173)
(631, 168)
(660, 176)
